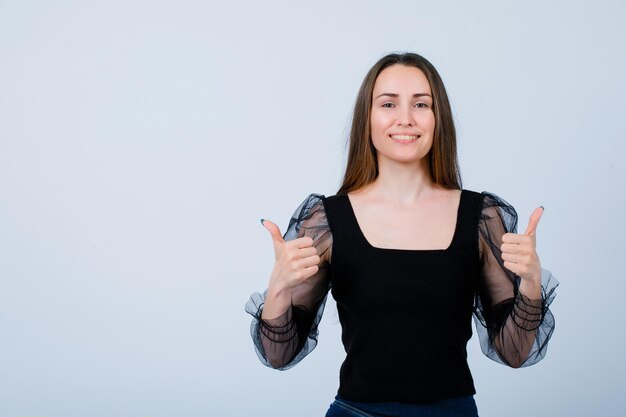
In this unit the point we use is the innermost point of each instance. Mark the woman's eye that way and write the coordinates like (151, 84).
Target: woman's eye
(421, 105)
(387, 105)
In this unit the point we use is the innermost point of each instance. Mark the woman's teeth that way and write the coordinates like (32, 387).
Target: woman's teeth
(404, 137)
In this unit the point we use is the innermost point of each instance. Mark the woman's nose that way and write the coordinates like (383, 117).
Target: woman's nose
(405, 117)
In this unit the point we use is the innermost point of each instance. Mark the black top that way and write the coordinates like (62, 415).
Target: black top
(406, 314)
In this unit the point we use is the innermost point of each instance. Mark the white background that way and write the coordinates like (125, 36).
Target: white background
(140, 143)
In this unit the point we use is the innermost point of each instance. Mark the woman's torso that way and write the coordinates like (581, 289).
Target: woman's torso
(405, 313)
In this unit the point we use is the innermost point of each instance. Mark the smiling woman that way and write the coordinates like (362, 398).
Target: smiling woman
(402, 111)
(409, 257)
(362, 166)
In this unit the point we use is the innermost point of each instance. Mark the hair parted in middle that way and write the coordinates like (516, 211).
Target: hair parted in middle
(362, 165)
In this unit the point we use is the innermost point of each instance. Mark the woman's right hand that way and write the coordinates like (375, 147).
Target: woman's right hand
(295, 261)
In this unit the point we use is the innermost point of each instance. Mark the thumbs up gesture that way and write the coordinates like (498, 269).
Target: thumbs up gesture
(295, 261)
(519, 254)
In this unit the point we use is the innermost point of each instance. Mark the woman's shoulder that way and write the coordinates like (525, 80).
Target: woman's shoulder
(334, 197)
(490, 205)
(486, 198)
(317, 204)
(472, 193)
(491, 199)
(486, 203)
(323, 208)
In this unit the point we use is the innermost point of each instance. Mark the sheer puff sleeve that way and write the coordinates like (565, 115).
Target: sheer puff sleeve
(284, 341)
(513, 329)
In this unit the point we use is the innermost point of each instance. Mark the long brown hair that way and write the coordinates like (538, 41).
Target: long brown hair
(362, 166)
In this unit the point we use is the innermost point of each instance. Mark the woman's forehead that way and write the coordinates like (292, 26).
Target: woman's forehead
(401, 79)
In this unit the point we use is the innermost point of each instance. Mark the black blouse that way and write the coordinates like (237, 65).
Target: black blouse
(405, 314)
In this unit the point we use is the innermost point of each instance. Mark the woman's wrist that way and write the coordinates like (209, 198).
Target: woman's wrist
(277, 302)
(531, 287)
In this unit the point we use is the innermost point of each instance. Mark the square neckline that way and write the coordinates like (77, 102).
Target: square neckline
(369, 245)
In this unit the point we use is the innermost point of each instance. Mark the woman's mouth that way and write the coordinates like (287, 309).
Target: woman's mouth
(405, 138)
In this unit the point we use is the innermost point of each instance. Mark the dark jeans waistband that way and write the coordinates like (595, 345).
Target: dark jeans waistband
(452, 407)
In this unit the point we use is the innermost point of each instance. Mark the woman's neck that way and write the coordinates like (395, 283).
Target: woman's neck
(402, 183)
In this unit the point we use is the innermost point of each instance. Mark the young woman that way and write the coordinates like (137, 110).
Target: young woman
(410, 257)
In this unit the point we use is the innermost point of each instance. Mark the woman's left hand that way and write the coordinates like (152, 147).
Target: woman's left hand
(519, 254)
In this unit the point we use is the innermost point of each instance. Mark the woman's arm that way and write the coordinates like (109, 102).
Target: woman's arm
(286, 316)
(514, 291)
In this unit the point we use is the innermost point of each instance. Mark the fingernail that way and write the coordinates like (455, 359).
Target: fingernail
(262, 220)
(542, 207)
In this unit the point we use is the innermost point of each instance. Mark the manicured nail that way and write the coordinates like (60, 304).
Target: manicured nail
(542, 207)
(262, 220)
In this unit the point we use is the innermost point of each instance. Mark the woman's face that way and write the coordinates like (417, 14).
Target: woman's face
(402, 118)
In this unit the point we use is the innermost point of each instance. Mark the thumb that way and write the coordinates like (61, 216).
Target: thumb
(534, 221)
(277, 237)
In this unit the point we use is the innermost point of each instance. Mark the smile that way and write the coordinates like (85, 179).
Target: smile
(405, 138)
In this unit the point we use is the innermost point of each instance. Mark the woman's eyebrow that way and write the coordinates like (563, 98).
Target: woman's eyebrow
(397, 95)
